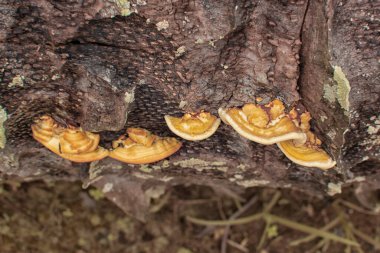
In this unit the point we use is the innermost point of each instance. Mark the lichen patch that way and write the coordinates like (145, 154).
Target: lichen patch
(180, 51)
(141, 2)
(142, 176)
(166, 178)
(201, 165)
(331, 134)
(129, 97)
(3, 118)
(329, 93)
(199, 41)
(107, 187)
(374, 129)
(182, 104)
(165, 164)
(343, 88)
(340, 91)
(333, 189)
(356, 179)
(18, 80)
(124, 7)
(252, 183)
(145, 168)
(162, 25)
(323, 118)
(149, 168)
(241, 167)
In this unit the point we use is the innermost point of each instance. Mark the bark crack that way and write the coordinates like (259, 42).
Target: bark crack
(302, 45)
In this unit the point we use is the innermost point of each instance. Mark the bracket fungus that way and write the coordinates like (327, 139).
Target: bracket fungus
(142, 147)
(265, 124)
(308, 153)
(71, 143)
(193, 126)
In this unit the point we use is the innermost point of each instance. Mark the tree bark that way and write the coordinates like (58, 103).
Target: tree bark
(107, 65)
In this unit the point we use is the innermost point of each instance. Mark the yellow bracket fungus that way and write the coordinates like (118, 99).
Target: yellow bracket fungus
(71, 143)
(193, 126)
(309, 153)
(266, 124)
(142, 147)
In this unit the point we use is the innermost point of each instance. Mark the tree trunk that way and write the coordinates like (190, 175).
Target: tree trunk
(106, 65)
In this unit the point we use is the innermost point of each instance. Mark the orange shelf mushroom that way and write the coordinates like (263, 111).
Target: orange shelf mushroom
(309, 153)
(71, 143)
(266, 124)
(141, 147)
(193, 126)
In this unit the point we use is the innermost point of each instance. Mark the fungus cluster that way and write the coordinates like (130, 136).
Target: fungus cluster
(269, 124)
(266, 124)
(80, 146)
(70, 143)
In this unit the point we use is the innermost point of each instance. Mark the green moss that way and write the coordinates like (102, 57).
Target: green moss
(3, 118)
(96, 194)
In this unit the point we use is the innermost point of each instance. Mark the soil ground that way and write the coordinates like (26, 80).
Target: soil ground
(62, 217)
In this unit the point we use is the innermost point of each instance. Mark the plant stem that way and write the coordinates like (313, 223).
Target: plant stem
(273, 202)
(356, 208)
(347, 226)
(240, 221)
(309, 230)
(366, 238)
(308, 238)
(263, 237)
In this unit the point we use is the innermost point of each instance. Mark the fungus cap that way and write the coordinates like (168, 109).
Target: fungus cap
(141, 151)
(45, 128)
(306, 155)
(76, 141)
(193, 126)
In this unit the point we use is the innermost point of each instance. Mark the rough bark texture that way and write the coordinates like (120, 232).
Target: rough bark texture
(95, 64)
